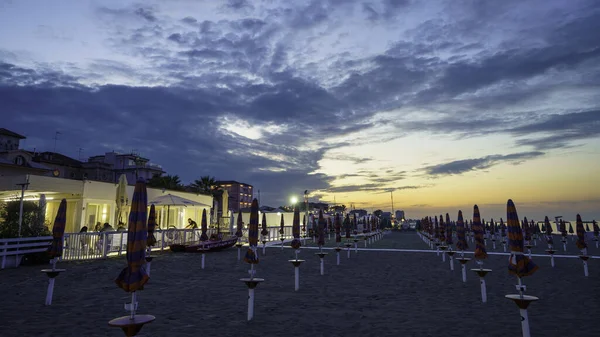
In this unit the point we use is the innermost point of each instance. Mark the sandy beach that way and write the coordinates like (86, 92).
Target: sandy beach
(374, 293)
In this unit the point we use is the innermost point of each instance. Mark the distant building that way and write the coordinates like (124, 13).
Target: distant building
(13, 160)
(400, 215)
(240, 194)
(358, 212)
(130, 164)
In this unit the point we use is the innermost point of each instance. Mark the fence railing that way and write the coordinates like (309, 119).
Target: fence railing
(99, 245)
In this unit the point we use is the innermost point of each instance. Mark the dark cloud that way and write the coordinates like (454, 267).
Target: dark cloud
(476, 164)
(264, 64)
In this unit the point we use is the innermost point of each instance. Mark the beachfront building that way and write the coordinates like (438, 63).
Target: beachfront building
(14, 160)
(92, 202)
(131, 164)
(240, 194)
(400, 215)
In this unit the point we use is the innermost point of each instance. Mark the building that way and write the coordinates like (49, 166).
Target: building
(90, 202)
(358, 212)
(13, 160)
(131, 164)
(240, 194)
(400, 215)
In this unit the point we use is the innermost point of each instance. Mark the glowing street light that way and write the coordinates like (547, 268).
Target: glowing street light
(293, 200)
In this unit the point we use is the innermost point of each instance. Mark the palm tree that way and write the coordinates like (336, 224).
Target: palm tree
(206, 185)
(167, 182)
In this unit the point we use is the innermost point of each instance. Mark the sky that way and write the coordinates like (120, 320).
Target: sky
(439, 104)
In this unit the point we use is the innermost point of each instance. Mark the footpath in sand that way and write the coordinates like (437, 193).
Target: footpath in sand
(374, 293)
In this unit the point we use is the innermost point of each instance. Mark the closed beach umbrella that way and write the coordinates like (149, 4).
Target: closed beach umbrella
(321, 229)
(338, 228)
(502, 228)
(231, 222)
(571, 228)
(518, 263)
(526, 229)
(442, 229)
(436, 228)
(580, 234)
(548, 231)
(328, 225)
(304, 223)
(134, 276)
(151, 240)
(477, 227)
(448, 230)
(492, 227)
(296, 243)
(240, 226)
(122, 199)
(347, 226)
(461, 243)
(596, 228)
(251, 257)
(58, 230)
(204, 226)
(587, 227)
(563, 228)
(281, 225)
(264, 231)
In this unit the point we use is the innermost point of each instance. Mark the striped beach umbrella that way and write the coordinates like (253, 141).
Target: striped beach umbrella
(587, 227)
(304, 223)
(596, 228)
(442, 230)
(134, 276)
(449, 240)
(580, 234)
(264, 231)
(461, 243)
(328, 225)
(526, 229)
(518, 263)
(321, 229)
(338, 228)
(58, 231)
(480, 252)
(563, 228)
(251, 257)
(548, 231)
(571, 229)
(281, 224)
(296, 243)
(492, 227)
(347, 226)
(204, 227)
(502, 228)
(151, 241)
(239, 225)
(355, 225)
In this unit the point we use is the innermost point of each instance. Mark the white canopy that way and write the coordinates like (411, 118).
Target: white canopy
(173, 200)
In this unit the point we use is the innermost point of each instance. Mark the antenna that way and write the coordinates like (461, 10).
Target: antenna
(80, 152)
(55, 139)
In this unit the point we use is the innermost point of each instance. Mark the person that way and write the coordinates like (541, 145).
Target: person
(84, 229)
(191, 224)
(107, 227)
(121, 227)
(98, 227)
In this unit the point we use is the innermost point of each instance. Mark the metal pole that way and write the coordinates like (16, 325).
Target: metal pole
(23, 188)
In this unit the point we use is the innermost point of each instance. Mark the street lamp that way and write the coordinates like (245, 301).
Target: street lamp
(293, 200)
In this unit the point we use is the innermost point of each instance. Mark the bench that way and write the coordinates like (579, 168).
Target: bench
(15, 248)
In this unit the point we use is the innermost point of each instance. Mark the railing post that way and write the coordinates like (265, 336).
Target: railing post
(4, 256)
(162, 241)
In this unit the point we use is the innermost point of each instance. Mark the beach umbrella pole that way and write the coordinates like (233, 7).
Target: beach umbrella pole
(481, 273)
(584, 258)
(523, 301)
(321, 256)
(451, 255)
(52, 274)
(337, 252)
(239, 247)
(264, 246)
(296, 264)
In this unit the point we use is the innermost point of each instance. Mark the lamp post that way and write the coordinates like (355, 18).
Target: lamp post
(306, 209)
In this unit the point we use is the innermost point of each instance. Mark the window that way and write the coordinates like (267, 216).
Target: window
(19, 160)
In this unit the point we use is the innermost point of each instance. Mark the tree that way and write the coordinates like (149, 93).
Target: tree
(206, 185)
(31, 226)
(167, 182)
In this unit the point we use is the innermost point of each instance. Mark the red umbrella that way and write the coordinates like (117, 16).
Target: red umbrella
(58, 230)
(477, 228)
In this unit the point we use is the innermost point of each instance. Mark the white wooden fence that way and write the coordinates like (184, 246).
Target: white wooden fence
(99, 245)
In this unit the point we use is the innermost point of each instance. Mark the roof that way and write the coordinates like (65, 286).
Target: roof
(57, 158)
(231, 182)
(7, 132)
(31, 165)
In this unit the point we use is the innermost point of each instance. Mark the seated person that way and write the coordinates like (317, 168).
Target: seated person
(191, 224)
(121, 227)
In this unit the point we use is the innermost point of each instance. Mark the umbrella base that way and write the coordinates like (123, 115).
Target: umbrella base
(251, 283)
(321, 255)
(296, 263)
(463, 260)
(481, 272)
(131, 327)
(522, 302)
(52, 273)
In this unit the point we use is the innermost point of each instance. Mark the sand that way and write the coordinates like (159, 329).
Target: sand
(374, 293)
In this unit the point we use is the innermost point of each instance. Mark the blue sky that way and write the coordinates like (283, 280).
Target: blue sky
(436, 100)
